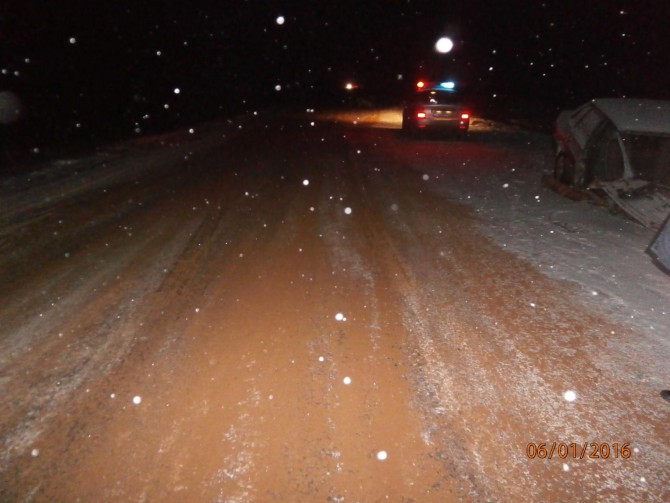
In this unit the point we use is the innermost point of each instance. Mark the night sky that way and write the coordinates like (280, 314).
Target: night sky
(97, 69)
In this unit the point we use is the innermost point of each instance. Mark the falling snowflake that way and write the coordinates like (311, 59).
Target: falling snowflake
(570, 396)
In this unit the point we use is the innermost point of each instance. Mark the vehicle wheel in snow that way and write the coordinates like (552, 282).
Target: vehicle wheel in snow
(564, 169)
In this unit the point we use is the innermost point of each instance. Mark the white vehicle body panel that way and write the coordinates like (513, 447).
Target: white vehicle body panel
(581, 134)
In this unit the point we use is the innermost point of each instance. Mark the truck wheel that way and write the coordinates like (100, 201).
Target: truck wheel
(564, 169)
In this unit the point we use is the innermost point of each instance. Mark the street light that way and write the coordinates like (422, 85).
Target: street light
(444, 45)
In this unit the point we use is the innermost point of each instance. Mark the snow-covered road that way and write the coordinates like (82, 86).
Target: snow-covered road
(313, 308)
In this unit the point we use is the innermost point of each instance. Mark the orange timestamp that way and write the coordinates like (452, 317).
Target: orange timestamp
(574, 450)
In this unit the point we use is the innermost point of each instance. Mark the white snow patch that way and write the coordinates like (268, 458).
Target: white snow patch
(570, 241)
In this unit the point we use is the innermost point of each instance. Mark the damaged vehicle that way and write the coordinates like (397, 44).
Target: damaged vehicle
(619, 148)
(660, 247)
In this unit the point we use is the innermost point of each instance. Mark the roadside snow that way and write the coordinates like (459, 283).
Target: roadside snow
(603, 253)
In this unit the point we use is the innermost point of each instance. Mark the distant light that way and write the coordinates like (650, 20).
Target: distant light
(448, 85)
(280, 20)
(444, 45)
(73, 40)
(421, 84)
(277, 87)
(177, 90)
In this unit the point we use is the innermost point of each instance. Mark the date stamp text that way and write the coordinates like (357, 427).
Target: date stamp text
(574, 450)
